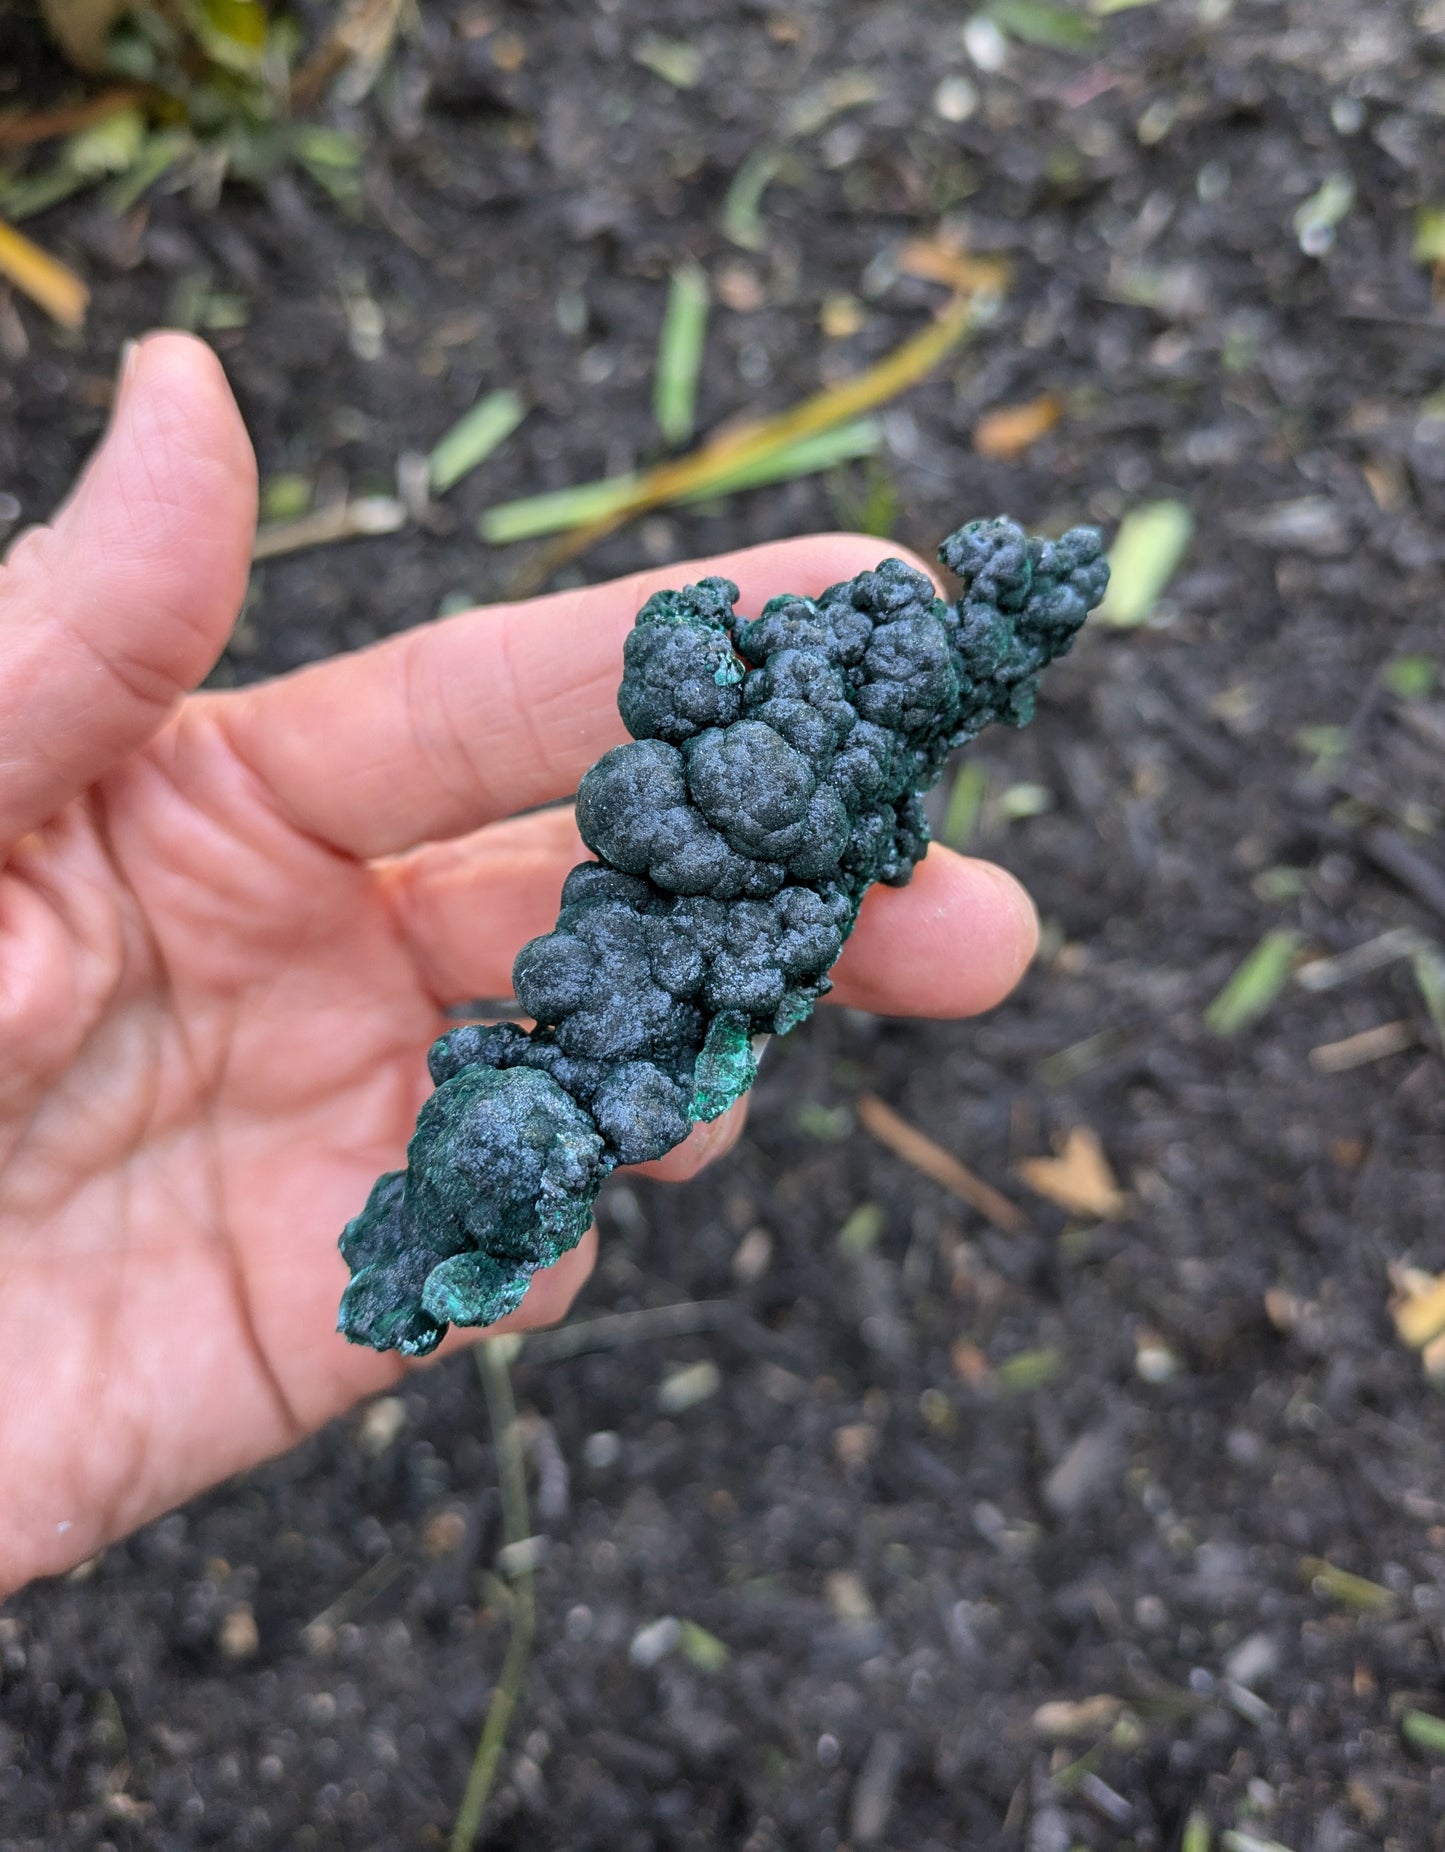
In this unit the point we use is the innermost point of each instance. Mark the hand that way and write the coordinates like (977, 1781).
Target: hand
(229, 927)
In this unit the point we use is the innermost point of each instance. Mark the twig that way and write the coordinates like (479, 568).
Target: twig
(907, 1142)
(492, 1364)
(617, 1330)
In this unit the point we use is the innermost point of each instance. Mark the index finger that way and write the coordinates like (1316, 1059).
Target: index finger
(472, 718)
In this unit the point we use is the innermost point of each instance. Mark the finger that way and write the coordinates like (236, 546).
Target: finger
(705, 1144)
(953, 942)
(456, 723)
(466, 908)
(125, 600)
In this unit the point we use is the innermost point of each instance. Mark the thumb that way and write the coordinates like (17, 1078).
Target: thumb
(123, 603)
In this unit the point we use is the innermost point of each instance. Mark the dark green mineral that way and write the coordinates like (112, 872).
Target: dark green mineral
(775, 773)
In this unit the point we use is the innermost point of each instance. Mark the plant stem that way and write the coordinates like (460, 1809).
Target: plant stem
(492, 1364)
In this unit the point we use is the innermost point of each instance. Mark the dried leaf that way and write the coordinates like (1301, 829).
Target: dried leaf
(1008, 430)
(47, 281)
(369, 514)
(915, 1148)
(1420, 1315)
(1078, 1179)
(936, 261)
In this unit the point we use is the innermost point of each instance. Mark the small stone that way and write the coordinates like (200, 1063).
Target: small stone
(239, 1637)
(381, 1423)
(955, 99)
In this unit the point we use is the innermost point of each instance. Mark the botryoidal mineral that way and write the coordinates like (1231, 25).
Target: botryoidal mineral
(774, 774)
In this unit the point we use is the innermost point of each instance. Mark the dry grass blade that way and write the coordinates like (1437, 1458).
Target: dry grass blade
(915, 1148)
(369, 514)
(1385, 1039)
(55, 286)
(745, 446)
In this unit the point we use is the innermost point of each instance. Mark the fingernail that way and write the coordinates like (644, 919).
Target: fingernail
(129, 355)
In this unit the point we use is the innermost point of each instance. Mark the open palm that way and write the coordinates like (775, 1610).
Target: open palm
(231, 924)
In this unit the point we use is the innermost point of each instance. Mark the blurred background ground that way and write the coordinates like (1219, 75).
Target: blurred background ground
(939, 1536)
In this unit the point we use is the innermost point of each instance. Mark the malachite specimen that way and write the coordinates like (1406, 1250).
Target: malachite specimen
(774, 774)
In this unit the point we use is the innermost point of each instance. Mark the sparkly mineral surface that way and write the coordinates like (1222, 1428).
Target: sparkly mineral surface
(775, 773)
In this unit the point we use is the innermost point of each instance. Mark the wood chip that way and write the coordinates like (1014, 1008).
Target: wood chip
(907, 1142)
(1387, 1038)
(1065, 1718)
(1078, 1178)
(1008, 430)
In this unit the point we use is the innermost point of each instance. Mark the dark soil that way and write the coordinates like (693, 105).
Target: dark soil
(903, 1559)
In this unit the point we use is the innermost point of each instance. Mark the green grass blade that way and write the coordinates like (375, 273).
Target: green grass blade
(474, 437)
(555, 511)
(679, 353)
(965, 803)
(561, 509)
(742, 218)
(1197, 1836)
(1255, 985)
(1143, 559)
(1035, 22)
(1424, 1731)
(1428, 965)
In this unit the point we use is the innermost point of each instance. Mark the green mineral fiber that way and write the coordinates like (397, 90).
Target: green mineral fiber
(775, 773)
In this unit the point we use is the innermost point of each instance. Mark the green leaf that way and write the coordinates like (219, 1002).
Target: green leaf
(1028, 1370)
(161, 152)
(704, 1651)
(1424, 1731)
(861, 1230)
(1060, 28)
(1197, 1836)
(675, 61)
(1146, 553)
(965, 804)
(1411, 678)
(474, 437)
(1255, 985)
(1428, 966)
(1316, 219)
(679, 353)
(1430, 234)
(286, 495)
(107, 147)
(1350, 1590)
